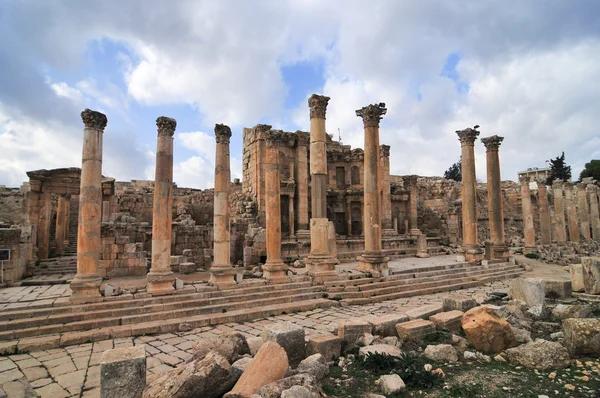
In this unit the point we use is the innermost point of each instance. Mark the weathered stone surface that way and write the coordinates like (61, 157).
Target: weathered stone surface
(564, 311)
(582, 336)
(458, 302)
(231, 345)
(254, 343)
(577, 280)
(486, 331)
(239, 366)
(441, 353)
(315, 365)
(424, 311)
(391, 384)
(558, 288)
(351, 331)
(365, 340)
(123, 373)
(288, 336)
(270, 364)
(275, 389)
(386, 325)
(414, 329)
(299, 392)
(539, 354)
(521, 335)
(531, 291)
(449, 320)
(591, 274)
(379, 349)
(209, 377)
(328, 345)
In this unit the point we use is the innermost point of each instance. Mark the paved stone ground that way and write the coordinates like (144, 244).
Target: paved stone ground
(75, 372)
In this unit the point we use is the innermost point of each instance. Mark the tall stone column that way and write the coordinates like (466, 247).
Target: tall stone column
(85, 286)
(45, 219)
(61, 219)
(594, 211)
(302, 183)
(527, 208)
(545, 227)
(572, 220)
(221, 272)
(67, 217)
(559, 213)
(495, 206)
(320, 262)
(160, 277)
(386, 205)
(274, 269)
(470, 246)
(372, 259)
(349, 216)
(584, 215)
(413, 203)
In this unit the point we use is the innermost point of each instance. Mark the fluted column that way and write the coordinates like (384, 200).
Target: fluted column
(572, 220)
(528, 227)
(59, 235)
(495, 206)
(85, 286)
(584, 215)
(302, 183)
(160, 277)
(274, 269)
(221, 271)
(320, 262)
(545, 226)
(470, 245)
(594, 211)
(413, 204)
(386, 204)
(559, 213)
(372, 259)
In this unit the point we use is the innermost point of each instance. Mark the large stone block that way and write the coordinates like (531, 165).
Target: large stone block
(288, 336)
(450, 320)
(539, 354)
(577, 283)
(486, 331)
(582, 336)
(531, 291)
(351, 331)
(328, 345)
(557, 288)
(415, 329)
(591, 274)
(123, 373)
(231, 345)
(563, 311)
(458, 302)
(424, 312)
(386, 325)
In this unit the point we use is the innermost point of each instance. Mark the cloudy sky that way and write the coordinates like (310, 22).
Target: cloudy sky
(525, 70)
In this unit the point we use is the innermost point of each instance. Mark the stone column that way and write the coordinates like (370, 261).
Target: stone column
(291, 216)
(584, 215)
(545, 227)
(386, 205)
(61, 219)
(594, 211)
(67, 217)
(320, 262)
(105, 211)
(372, 259)
(302, 183)
(571, 213)
(43, 232)
(495, 206)
(85, 286)
(470, 246)
(274, 269)
(221, 272)
(349, 216)
(413, 203)
(559, 213)
(527, 209)
(160, 277)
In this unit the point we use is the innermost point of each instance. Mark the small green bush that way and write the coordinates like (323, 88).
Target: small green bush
(534, 256)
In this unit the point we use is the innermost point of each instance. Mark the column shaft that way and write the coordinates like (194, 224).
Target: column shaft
(495, 206)
(545, 226)
(302, 182)
(527, 209)
(584, 215)
(414, 204)
(559, 213)
(59, 235)
(386, 205)
(43, 233)
(594, 211)
(572, 220)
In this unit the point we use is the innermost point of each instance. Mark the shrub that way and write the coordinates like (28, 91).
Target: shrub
(534, 256)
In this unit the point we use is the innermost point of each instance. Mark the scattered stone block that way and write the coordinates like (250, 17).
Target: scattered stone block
(424, 312)
(298, 392)
(328, 345)
(314, 365)
(441, 353)
(540, 355)
(577, 282)
(385, 326)
(365, 340)
(232, 345)
(379, 349)
(582, 336)
(557, 288)
(458, 302)
(178, 284)
(564, 311)
(239, 366)
(187, 268)
(351, 331)
(290, 337)
(450, 320)
(591, 274)
(521, 335)
(414, 329)
(108, 290)
(531, 291)
(276, 388)
(123, 373)
(486, 331)
(390, 384)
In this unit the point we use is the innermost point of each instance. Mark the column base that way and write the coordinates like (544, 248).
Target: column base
(86, 289)
(389, 232)
(501, 252)
(529, 249)
(160, 282)
(275, 273)
(414, 232)
(223, 278)
(321, 268)
(373, 263)
(303, 234)
(470, 254)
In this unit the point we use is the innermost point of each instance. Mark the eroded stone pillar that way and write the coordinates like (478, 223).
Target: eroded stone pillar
(470, 246)
(221, 271)
(559, 213)
(545, 225)
(61, 219)
(67, 217)
(302, 183)
(160, 277)
(45, 219)
(584, 215)
(274, 269)
(413, 203)
(527, 208)
(85, 286)
(594, 211)
(495, 207)
(572, 220)
(386, 204)
(372, 259)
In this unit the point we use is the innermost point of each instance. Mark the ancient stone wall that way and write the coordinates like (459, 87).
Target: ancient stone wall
(13, 207)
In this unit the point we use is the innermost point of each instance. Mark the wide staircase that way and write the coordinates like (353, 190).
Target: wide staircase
(414, 282)
(53, 271)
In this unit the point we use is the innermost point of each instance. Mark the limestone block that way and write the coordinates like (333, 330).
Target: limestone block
(123, 373)
(458, 302)
(276, 388)
(385, 326)
(379, 349)
(539, 354)
(290, 337)
(424, 312)
(351, 331)
(441, 353)
(486, 331)
(577, 282)
(314, 365)
(328, 345)
(176, 260)
(450, 320)
(414, 329)
(582, 336)
(563, 311)
(591, 274)
(239, 366)
(186, 268)
(391, 384)
(231, 345)
(558, 288)
(531, 291)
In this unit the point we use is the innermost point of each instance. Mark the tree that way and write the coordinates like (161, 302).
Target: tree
(455, 171)
(592, 169)
(558, 170)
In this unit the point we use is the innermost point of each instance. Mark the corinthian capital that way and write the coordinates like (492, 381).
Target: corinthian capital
(372, 114)
(274, 138)
(468, 135)
(303, 138)
(524, 180)
(222, 133)
(93, 119)
(318, 105)
(492, 143)
(384, 150)
(166, 125)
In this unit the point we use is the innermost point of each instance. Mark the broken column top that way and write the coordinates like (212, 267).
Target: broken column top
(94, 119)
(166, 125)
(492, 143)
(385, 150)
(524, 179)
(318, 105)
(222, 133)
(468, 135)
(372, 114)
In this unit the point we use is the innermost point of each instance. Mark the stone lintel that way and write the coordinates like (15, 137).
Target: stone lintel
(492, 143)
(166, 125)
(372, 114)
(318, 105)
(94, 119)
(468, 135)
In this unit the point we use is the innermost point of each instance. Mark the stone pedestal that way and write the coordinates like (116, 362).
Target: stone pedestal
(160, 277)
(560, 231)
(422, 246)
(274, 270)
(372, 259)
(85, 286)
(495, 208)
(594, 211)
(386, 197)
(572, 219)
(584, 215)
(528, 228)
(470, 247)
(545, 225)
(413, 202)
(61, 220)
